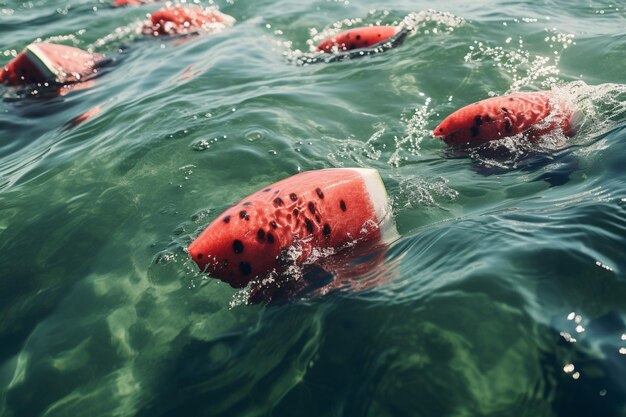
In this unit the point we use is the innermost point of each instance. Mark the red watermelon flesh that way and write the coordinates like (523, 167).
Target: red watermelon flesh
(536, 113)
(183, 20)
(23, 70)
(285, 222)
(363, 37)
(47, 62)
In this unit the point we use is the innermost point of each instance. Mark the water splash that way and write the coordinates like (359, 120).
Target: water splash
(122, 33)
(416, 131)
(416, 192)
(524, 68)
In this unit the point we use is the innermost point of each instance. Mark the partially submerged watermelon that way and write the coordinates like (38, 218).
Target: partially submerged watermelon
(357, 38)
(43, 62)
(184, 20)
(286, 222)
(534, 114)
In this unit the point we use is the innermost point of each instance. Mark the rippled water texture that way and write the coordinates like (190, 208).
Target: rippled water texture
(505, 294)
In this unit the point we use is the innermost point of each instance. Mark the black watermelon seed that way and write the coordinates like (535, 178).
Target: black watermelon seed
(311, 207)
(270, 238)
(226, 219)
(358, 37)
(510, 98)
(245, 268)
(225, 263)
(293, 196)
(505, 110)
(441, 129)
(296, 212)
(260, 235)
(474, 131)
(267, 190)
(326, 230)
(278, 201)
(247, 203)
(478, 120)
(309, 225)
(342, 204)
(199, 256)
(244, 215)
(237, 246)
(319, 192)
(318, 218)
(273, 224)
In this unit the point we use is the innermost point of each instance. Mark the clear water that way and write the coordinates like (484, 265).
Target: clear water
(506, 292)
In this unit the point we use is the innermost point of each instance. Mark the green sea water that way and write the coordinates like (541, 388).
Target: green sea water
(505, 294)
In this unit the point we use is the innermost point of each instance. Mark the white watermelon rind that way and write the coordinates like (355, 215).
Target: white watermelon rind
(38, 57)
(380, 201)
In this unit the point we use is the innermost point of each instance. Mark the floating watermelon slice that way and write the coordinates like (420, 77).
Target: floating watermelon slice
(283, 224)
(47, 62)
(120, 3)
(357, 38)
(184, 20)
(535, 114)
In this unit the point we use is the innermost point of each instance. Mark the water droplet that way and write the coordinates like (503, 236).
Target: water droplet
(254, 136)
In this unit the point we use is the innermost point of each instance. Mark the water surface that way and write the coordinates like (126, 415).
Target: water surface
(506, 293)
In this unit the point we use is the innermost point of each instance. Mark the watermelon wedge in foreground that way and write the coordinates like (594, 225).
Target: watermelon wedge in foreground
(286, 222)
(534, 114)
(42, 62)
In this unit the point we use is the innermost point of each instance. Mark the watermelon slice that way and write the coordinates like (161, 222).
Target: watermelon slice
(184, 20)
(120, 3)
(284, 223)
(534, 114)
(363, 37)
(47, 62)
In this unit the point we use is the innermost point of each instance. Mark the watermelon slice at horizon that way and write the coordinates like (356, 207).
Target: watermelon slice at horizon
(287, 223)
(362, 37)
(43, 62)
(120, 3)
(533, 113)
(185, 20)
